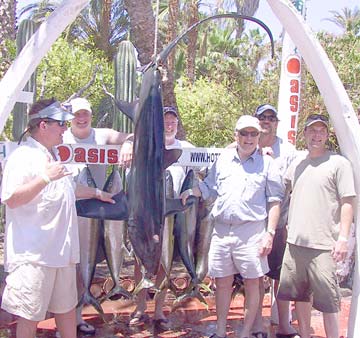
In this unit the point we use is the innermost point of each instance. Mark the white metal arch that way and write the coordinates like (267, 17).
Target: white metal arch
(335, 97)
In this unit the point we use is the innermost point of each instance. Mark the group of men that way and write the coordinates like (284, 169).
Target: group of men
(250, 215)
(256, 183)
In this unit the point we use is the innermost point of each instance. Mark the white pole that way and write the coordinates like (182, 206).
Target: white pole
(290, 84)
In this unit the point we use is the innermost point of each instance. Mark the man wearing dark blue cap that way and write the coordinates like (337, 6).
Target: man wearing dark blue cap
(171, 121)
(320, 215)
(41, 241)
(283, 153)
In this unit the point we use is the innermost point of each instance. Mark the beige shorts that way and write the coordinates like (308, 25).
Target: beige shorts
(32, 290)
(309, 274)
(235, 249)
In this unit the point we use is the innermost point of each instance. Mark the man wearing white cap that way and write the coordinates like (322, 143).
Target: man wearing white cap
(82, 132)
(320, 216)
(246, 184)
(42, 242)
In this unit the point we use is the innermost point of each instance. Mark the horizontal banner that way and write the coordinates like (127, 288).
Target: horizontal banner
(109, 154)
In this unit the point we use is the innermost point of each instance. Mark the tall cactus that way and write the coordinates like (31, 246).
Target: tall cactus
(125, 82)
(26, 29)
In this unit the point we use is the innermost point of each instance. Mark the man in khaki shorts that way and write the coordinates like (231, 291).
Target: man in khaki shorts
(41, 235)
(244, 183)
(320, 215)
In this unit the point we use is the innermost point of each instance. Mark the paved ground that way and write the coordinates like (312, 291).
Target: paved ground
(191, 320)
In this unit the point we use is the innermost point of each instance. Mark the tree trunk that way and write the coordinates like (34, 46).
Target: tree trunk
(142, 34)
(172, 30)
(193, 35)
(105, 28)
(7, 32)
(245, 7)
(142, 28)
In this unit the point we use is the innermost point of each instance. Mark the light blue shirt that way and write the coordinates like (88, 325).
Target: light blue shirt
(242, 188)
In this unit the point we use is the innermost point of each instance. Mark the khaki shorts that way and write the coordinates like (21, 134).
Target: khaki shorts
(235, 249)
(309, 273)
(32, 290)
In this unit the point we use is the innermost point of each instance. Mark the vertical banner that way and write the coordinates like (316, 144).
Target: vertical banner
(290, 83)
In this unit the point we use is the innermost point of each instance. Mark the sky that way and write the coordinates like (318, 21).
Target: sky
(316, 12)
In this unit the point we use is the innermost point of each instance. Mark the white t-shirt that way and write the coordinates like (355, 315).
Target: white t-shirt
(178, 173)
(43, 231)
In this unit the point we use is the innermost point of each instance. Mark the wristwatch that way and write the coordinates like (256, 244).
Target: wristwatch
(271, 232)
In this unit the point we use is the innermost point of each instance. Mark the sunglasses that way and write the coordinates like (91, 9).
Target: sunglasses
(271, 118)
(320, 117)
(60, 123)
(247, 133)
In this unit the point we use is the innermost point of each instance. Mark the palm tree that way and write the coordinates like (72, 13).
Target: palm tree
(7, 32)
(104, 23)
(348, 20)
(38, 11)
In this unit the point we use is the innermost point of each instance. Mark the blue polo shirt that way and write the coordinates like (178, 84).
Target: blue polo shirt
(242, 188)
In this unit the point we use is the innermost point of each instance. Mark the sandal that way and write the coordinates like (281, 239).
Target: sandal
(214, 335)
(162, 324)
(288, 335)
(259, 334)
(138, 318)
(85, 328)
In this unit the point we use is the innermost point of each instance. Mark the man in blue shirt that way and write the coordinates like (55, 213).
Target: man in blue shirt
(246, 184)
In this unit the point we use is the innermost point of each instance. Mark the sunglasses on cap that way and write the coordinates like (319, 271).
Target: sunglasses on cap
(271, 118)
(247, 133)
(320, 117)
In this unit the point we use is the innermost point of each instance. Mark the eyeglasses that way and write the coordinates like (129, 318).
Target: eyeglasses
(248, 133)
(271, 118)
(60, 123)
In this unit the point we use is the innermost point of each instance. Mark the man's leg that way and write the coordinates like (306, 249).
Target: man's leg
(223, 300)
(283, 307)
(251, 305)
(331, 324)
(258, 321)
(138, 314)
(303, 313)
(66, 323)
(160, 297)
(25, 328)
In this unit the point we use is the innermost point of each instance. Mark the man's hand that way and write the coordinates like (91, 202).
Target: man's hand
(56, 170)
(266, 244)
(126, 154)
(267, 151)
(340, 250)
(104, 196)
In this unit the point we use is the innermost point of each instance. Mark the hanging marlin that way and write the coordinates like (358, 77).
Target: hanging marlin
(147, 203)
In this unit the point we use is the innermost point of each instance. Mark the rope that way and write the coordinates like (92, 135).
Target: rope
(156, 27)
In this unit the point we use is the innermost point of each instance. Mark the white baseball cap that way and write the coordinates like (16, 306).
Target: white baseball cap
(248, 121)
(80, 104)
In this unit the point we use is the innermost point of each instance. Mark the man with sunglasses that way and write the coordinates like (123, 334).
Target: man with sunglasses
(248, 190)
(320, 214)
(41, 241)
(283, 153)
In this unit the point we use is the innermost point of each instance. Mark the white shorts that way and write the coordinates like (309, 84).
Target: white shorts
(235, 249)
(32, 290)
